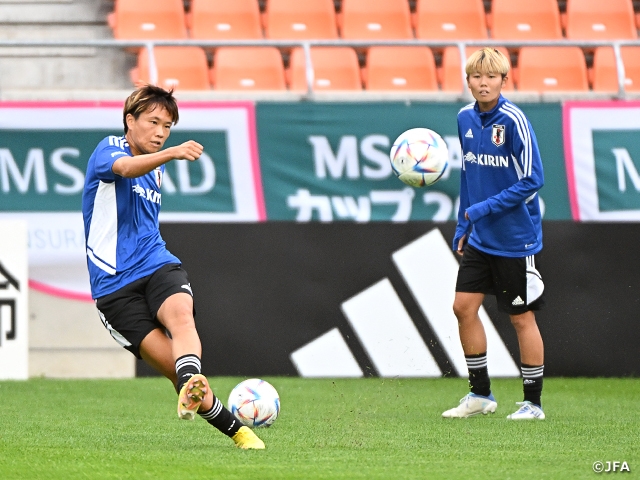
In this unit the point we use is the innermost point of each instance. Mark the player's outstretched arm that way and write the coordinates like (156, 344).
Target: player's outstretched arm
(138, 165)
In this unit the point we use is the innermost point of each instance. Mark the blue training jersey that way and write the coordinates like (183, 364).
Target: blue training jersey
(121, 221)
(500, 178)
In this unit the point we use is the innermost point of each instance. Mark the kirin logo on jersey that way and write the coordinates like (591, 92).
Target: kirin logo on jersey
(158, 174)
(497, 135)
(470, 157)
(484, 159)
(148, 194)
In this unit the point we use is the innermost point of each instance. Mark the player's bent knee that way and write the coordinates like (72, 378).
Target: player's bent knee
(523, 320)
(176, 311)
(181, 324)
(464, 312)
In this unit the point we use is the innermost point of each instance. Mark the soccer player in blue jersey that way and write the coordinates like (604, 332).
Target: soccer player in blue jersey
(143, 295)
(499, 234)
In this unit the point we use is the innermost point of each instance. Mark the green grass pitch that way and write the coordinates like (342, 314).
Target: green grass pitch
(354, 429)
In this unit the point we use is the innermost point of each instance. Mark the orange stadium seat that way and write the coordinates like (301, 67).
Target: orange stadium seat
(295, 19)
(183, 68)
(248, 68)
(451, 73)
(216, 20)
(382, 19)
(605, 74)
(600, 20)
(525, 20)
(335, 68)
(148, 19)
(450, 20)
(400, 68)
(543, 69)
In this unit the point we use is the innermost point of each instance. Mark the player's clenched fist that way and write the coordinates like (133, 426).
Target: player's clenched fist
(189, 150)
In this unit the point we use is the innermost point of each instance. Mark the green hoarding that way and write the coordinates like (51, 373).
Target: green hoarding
(314, 161)
(329, 161)
(617, 176)
(45, 147)
(44, 171)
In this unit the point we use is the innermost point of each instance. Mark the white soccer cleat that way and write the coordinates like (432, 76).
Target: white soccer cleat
(527, 411)
(472, 404)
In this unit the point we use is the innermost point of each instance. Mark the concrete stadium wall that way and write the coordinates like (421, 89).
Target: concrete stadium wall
(32, 69)
(67, 340)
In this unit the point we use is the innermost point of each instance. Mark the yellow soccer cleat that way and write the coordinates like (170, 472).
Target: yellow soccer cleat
(247, 440)
(191, 395)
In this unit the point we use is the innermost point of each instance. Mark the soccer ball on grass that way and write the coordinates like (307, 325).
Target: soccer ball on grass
(255, 403)
(419, 157)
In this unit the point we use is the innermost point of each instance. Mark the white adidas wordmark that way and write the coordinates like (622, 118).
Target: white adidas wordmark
(517, 301)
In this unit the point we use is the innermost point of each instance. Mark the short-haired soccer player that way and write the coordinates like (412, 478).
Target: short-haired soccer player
(143, 295)
(499, 234)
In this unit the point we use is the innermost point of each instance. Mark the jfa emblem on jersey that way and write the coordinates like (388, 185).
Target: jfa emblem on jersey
(497, 135)
(158, 174)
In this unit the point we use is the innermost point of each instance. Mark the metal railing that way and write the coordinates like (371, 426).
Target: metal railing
(307, 44)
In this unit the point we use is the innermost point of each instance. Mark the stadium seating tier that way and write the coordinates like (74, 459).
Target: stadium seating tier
(400, 68)
(148, 19)
(181, 68)
(216, 20)
(248, 68)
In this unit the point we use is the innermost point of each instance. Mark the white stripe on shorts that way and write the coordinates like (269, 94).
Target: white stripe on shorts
(535, 285)
(117, 336)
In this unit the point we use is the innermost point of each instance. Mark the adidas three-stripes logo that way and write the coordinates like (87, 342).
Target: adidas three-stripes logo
(389, 335)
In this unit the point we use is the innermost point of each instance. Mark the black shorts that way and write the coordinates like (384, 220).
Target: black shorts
(129, 314)
(516, 282)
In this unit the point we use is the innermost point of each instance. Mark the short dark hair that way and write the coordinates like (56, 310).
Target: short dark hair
(149, 97)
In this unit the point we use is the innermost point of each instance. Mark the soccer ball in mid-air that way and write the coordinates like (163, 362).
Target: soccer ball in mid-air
(419, 157)
(255, 403)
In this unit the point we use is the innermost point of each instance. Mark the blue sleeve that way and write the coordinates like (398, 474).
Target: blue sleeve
(529, 167)
(105, 156)
(463, 226)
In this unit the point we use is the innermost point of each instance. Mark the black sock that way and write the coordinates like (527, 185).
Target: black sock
(532, 383)
(186, 367)
(479, 381)
(221, 418)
